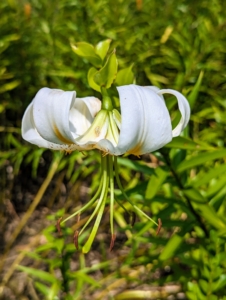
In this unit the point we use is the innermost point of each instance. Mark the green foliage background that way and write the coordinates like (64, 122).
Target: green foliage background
(171, 44)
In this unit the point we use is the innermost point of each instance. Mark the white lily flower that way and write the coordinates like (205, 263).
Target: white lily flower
(58, 120)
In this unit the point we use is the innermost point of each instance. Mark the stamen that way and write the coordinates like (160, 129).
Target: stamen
(75, 238)
(113, 237)
(58, 226)
(137, 209)
(159, 226)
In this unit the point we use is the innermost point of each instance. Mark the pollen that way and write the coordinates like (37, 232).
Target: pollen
(97, 131)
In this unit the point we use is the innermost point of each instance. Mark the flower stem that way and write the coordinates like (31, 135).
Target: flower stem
(111, 176)
(106, 100)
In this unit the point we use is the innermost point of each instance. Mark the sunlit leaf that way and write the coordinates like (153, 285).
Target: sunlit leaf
(125, 76)
(102, 48)
(87, 51)
(200, 159)
(106, 75)
(171, 247)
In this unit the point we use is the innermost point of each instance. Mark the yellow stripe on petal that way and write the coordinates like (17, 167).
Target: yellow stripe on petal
(60, 136)
(137, 150)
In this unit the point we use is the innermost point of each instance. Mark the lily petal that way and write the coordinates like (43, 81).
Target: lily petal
(60, 117)
(146, 117)
(55, 118)
(51, 115)
(145, 125)
(183, 107)
(82, 114)
(30, 134)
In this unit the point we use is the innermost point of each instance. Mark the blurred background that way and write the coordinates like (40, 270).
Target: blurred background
(170, 44)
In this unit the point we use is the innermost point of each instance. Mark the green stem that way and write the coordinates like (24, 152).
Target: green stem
(106, 100)
(111, 176)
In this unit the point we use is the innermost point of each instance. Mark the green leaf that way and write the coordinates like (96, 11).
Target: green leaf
(87, 51)
(92, 83)
(204, 285)
(134, 165)
(106, 75)
(217, 200)
(9, 86)
(194, 195)
(200, 159)
(125, 76)
(50, 293)
(86, 278)
(204, 178)
(217, 186)
(209, 214)
(155, 183)
(171, 247)
(194, 94)
(102, 48)
(180, 142)
(39, 274)
(221, 283)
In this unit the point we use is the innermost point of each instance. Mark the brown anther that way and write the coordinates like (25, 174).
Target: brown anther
(113, 237)
(105, 153)
(78, 218)
(159, 226)
(75, 238)
(58, 226)
(133, 219)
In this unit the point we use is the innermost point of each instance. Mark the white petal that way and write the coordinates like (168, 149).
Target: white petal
(183, 107)
(146, 124)
(51, 115)
(30, 134)
(60, 117)
(82, 114)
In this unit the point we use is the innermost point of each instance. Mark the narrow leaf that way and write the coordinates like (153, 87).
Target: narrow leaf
(87, 51)
(102, 48)
(195, 92)
(171, 247)
(200, 159)
(92, 83)
(125, 76)
(106, 75)
(38, 274)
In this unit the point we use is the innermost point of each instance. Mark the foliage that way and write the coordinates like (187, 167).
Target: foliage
(170, 44)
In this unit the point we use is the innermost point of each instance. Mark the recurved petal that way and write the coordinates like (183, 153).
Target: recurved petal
(51, 110)
(145, 124)
(183, 107)
(30, 134)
